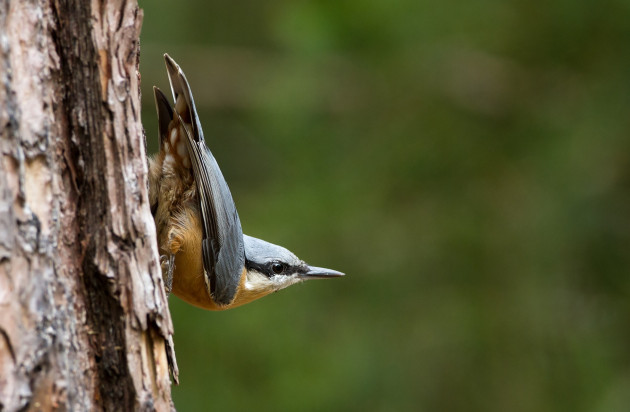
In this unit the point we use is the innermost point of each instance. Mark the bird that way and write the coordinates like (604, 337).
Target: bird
(206, 259)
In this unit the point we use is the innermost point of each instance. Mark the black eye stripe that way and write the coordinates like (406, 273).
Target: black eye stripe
(268, 268)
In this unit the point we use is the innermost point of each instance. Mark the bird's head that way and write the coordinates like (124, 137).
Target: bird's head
(269, 268)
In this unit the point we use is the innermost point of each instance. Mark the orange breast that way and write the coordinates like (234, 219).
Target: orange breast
(188, 278)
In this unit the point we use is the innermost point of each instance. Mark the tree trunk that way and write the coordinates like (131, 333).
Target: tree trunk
(84, 321)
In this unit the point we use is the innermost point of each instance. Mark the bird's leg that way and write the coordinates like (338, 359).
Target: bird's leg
(168, 260)
(168, 267)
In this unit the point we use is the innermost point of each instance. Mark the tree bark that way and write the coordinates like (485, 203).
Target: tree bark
(84, 321)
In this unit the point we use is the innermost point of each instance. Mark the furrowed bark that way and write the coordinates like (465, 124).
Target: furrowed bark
(84, 322)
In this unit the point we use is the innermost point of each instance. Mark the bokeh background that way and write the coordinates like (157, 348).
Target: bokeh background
(467, 164)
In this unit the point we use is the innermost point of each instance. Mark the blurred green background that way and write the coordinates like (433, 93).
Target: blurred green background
(467, 164)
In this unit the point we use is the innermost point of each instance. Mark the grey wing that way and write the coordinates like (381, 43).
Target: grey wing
(223, 249)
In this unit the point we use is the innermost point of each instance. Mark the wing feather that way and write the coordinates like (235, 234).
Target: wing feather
(222, 245)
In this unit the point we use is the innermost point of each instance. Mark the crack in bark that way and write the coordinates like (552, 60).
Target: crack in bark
(83, 313)
(7, 342)
(105, 316)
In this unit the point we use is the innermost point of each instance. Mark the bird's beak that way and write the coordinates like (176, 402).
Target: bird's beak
(321, 273)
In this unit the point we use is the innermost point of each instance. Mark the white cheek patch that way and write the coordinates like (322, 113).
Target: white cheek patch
(256, 281)
(282, 282)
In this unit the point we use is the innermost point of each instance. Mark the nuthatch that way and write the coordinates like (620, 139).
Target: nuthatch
(206, 259)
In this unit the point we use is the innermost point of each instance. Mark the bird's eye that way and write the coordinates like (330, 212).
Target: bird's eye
(277, 268)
